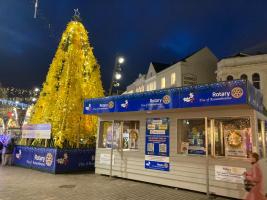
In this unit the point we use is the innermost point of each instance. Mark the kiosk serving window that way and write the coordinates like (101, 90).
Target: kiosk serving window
(125, 134)
(191, 136)
(226, 137)
(232, 137)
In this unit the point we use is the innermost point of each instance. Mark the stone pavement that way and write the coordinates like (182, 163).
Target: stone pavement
(25, 184)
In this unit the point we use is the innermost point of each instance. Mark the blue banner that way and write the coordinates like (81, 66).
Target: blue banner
(157, 149)
(215, 94)
(69, 160)
(22, 156)
(44, 159)
(54, 160)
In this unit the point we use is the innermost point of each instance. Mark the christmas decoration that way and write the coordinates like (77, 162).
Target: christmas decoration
(73, 76)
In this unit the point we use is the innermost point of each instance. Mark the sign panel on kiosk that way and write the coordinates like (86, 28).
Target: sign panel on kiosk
(157, 147)
(39, 131)
(229, 174)
(215, 94)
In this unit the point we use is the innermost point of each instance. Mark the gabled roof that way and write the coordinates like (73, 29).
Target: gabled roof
(160, 66)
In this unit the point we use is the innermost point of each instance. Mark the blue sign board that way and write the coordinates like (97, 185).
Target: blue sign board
(23, 156)
(75, 160)
(215, 94)
(157, 149)
(54, 160)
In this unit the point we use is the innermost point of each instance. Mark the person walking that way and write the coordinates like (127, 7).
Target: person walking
(8, 152)
(1, 149)
(254, 178)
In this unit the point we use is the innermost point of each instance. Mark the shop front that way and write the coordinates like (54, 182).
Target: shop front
(195, 138)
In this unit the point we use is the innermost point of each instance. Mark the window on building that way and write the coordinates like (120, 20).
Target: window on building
(150, 86)
(230, 78)
(163, 83)
(125, 134)
(147, 87)
(256, 80)
(229, 137)
(105, 134)
(173, 78)
(244, 77)
(191, 136)
(140, 89)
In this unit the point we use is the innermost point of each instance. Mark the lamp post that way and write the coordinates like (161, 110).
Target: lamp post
(116, 74)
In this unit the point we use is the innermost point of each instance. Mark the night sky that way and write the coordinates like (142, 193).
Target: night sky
(140, 30)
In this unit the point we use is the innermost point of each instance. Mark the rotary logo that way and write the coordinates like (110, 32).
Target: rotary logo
(237, 92)
(166, 99)
(111, 104)
(49, 159)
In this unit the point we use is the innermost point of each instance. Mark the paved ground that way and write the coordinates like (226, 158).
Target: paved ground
(25, 184)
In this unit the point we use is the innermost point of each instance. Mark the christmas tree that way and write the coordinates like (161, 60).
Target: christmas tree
(73, 76)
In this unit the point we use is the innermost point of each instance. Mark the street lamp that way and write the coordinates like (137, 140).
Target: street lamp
(116, 74)
(36, 90)
(121, 60)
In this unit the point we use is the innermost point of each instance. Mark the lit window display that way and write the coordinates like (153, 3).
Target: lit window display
(226, 137)
(105, 134)
(191, 134)
(125, 134)
(232, 137)
(130, 134)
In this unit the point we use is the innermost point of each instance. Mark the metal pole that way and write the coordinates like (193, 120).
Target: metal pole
(222, 139)
(263, 138)
(111, 150)
(207, 157)
(112, 78)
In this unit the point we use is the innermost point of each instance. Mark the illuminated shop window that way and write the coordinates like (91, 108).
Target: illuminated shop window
(125, 134)
(229, 137)
(232, 137)
(191, 136)
(130, 134)
(105, 134)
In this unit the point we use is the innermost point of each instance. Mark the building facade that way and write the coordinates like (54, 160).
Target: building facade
(197, 68)
(243, 66)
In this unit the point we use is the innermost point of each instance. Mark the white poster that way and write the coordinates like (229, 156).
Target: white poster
(105, 159)
(229, 174)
